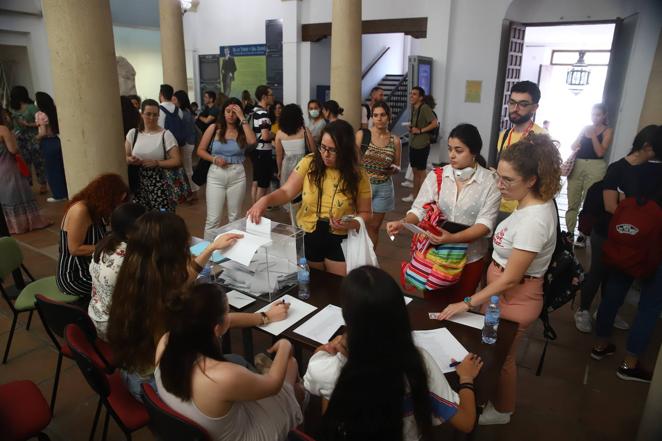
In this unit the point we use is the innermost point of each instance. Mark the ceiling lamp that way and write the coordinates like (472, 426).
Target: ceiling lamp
(578, 76)
(189, 5)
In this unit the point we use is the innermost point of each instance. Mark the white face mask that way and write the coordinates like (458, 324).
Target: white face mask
(464, 174)
(314, 113)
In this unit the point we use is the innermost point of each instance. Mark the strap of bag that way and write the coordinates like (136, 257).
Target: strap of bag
(365, 140)
(503, 142)
(166, 111)
(165, 157)
(135, 138)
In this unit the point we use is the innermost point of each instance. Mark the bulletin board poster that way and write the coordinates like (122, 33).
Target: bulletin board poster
(242, 67)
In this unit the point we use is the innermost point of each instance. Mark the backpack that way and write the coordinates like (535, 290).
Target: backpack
(634, 239)
(434, 134)
(367, 110)
(365, 140)
(175, 124)
(592, 209)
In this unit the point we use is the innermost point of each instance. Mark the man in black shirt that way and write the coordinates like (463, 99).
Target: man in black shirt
(209, 112)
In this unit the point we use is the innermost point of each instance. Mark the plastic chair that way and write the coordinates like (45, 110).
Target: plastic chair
(167, 424)
(129, 413)
(56, 316)
(11, 259)
(24, 412)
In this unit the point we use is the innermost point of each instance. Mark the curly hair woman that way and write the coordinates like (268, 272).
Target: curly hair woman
(528, 172)
(83, 225)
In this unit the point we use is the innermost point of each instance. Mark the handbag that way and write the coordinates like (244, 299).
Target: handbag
(568, 164)
(201, 170)
(358, 248)
(433, 266)
(181, 189)
(133, 171)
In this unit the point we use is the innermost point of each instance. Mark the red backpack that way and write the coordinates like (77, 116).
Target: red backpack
(634, 243)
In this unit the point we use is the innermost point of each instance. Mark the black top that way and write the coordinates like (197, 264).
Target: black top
(614, 180)
(586, 150)
(207, 111)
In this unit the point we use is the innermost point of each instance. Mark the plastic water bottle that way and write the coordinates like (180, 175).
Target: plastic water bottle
(491, 321)
(303, 276)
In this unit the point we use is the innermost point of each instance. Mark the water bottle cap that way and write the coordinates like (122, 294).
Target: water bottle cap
(302, 261)
(494, 299)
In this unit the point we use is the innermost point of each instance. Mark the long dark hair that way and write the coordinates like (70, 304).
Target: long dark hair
(130, 116)
(222, 124)
(347, 161)
(182, 99)
(150, 284)
(17, 96)
(369, 396)
(333, 107)
(146, 103)
(122, 222)
(645, 136)
(191, 334)
(470, 136)
(47, 105)
(291, 119)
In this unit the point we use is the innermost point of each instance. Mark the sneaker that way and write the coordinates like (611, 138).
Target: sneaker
(409, 198)
(619, 323)
(599, 354)
(407, 184)
(580, 242)
(491, 416)
(55, 200)
(583, 321)
(633, 374)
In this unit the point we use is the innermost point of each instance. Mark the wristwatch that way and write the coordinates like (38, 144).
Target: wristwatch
(467, 300)
(244, 121)
(265, 318)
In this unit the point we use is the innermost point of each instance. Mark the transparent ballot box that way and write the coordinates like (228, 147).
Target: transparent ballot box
(264, 262)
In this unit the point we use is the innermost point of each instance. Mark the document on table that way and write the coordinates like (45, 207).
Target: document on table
(414, 228)
(262, 229)
(244, 249)
(469, 319)
(297, 311)
(322, 325)
(441, 345)
(239, 300)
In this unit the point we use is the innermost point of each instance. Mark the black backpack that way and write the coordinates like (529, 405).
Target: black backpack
(434, 134)
(592, 209)
(365, 140)
(175, 124)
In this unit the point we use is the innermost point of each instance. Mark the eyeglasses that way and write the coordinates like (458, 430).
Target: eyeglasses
(521, 104)
(506, 181)
(150, 114)
(330, 151)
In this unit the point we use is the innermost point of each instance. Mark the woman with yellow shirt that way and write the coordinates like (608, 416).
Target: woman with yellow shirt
(333, 186)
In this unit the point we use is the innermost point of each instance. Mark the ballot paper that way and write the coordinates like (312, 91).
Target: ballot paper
(414, 228)
(239, 300)
(244, 249)
(469, 319)
(297, 311)
(261, 229)
(322, 325)
(441, 345)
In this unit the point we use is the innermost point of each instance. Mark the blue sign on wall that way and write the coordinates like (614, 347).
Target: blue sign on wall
(244, 50)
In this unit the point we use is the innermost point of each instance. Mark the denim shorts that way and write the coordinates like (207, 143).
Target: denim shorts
(383, 197)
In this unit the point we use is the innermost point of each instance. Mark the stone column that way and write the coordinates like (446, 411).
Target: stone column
(82, 54)
(346, 59)
(172, 44)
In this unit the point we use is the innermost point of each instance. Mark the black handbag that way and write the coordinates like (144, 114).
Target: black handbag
(134, 170)
(199, 175)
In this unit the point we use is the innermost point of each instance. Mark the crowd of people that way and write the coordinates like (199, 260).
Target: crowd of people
(166, 329)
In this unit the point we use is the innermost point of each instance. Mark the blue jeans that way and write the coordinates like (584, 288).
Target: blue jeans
(650, 306)
(133, 382)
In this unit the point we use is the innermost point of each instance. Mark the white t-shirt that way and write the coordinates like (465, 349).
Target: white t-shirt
(170, 107)
(324, 370)
(364, 117)
(532, 228)
(150, 145)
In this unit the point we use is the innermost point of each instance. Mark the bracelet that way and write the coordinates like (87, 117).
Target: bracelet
(469, 386)
(265, 318)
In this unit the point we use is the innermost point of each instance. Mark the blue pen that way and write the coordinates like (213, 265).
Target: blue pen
(454, 363)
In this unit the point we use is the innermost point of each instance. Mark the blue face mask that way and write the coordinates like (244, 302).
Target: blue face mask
(314, 113)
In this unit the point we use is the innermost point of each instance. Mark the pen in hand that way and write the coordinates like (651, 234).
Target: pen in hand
(454, 363)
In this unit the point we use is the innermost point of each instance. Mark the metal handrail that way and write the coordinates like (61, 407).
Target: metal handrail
(371, 65)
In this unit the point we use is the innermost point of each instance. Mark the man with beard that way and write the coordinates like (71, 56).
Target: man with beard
(522, 106)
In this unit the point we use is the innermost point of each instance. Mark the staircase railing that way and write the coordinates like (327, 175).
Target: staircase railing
(391, 98)
(375, 61)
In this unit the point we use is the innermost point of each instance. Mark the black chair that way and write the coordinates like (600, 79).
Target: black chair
(167, 424)
(56, 316)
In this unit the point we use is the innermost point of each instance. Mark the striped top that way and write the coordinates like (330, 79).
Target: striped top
(377, 161)
(73, 272)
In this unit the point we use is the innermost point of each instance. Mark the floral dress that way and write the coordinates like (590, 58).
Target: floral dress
(28, 146)
(104, 276)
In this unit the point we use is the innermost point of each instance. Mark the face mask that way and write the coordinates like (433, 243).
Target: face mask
(314, 113)
(464, 174)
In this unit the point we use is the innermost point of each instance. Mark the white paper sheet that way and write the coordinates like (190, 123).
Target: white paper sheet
(414, 228)
(469, 319)
(244, 249)
(262, 229)
(408, 300)
(322, 325)
(297, 311)
(239, 300)
(441, 345)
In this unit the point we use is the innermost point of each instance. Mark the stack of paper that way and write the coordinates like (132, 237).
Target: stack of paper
(322, 325)
(442, 346)
(238, 300)
(297, 311)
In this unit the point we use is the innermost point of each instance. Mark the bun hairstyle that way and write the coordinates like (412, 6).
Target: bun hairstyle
(537, 156)
(333, 107)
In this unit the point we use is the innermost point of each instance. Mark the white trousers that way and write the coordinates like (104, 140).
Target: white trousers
(224, 184)
(187, 163)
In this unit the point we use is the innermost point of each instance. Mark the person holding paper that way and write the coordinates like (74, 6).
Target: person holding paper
(153, 280)
(529, 172)
(369, 375)
(229, 401)
(333, 187)
(468, 195)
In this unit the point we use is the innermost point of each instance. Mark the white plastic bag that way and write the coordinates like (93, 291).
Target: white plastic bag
(358, 248)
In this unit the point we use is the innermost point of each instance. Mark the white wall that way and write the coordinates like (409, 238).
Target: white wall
(390, 63)
(319, 68)
(142, 48)
(15, 60)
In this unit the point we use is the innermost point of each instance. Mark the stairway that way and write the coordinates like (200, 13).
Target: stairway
(395, 95)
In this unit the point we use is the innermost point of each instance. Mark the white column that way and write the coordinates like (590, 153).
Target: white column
(172, 44)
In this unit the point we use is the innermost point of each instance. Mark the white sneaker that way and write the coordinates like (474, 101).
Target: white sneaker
(407, 184)
(492, 416)
(619, 323)
(409, 198)
(583, 321)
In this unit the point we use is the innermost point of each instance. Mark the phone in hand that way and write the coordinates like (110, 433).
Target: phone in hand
(347, 217)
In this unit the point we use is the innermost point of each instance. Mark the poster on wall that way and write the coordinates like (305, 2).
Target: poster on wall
(242, 67)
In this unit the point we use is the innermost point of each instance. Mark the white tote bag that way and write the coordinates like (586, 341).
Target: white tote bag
(358, 248)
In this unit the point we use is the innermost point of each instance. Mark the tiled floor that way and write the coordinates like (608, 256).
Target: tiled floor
(574, 399)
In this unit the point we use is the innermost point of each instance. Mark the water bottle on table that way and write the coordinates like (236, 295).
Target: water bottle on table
(491, 321)
(303, 277)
